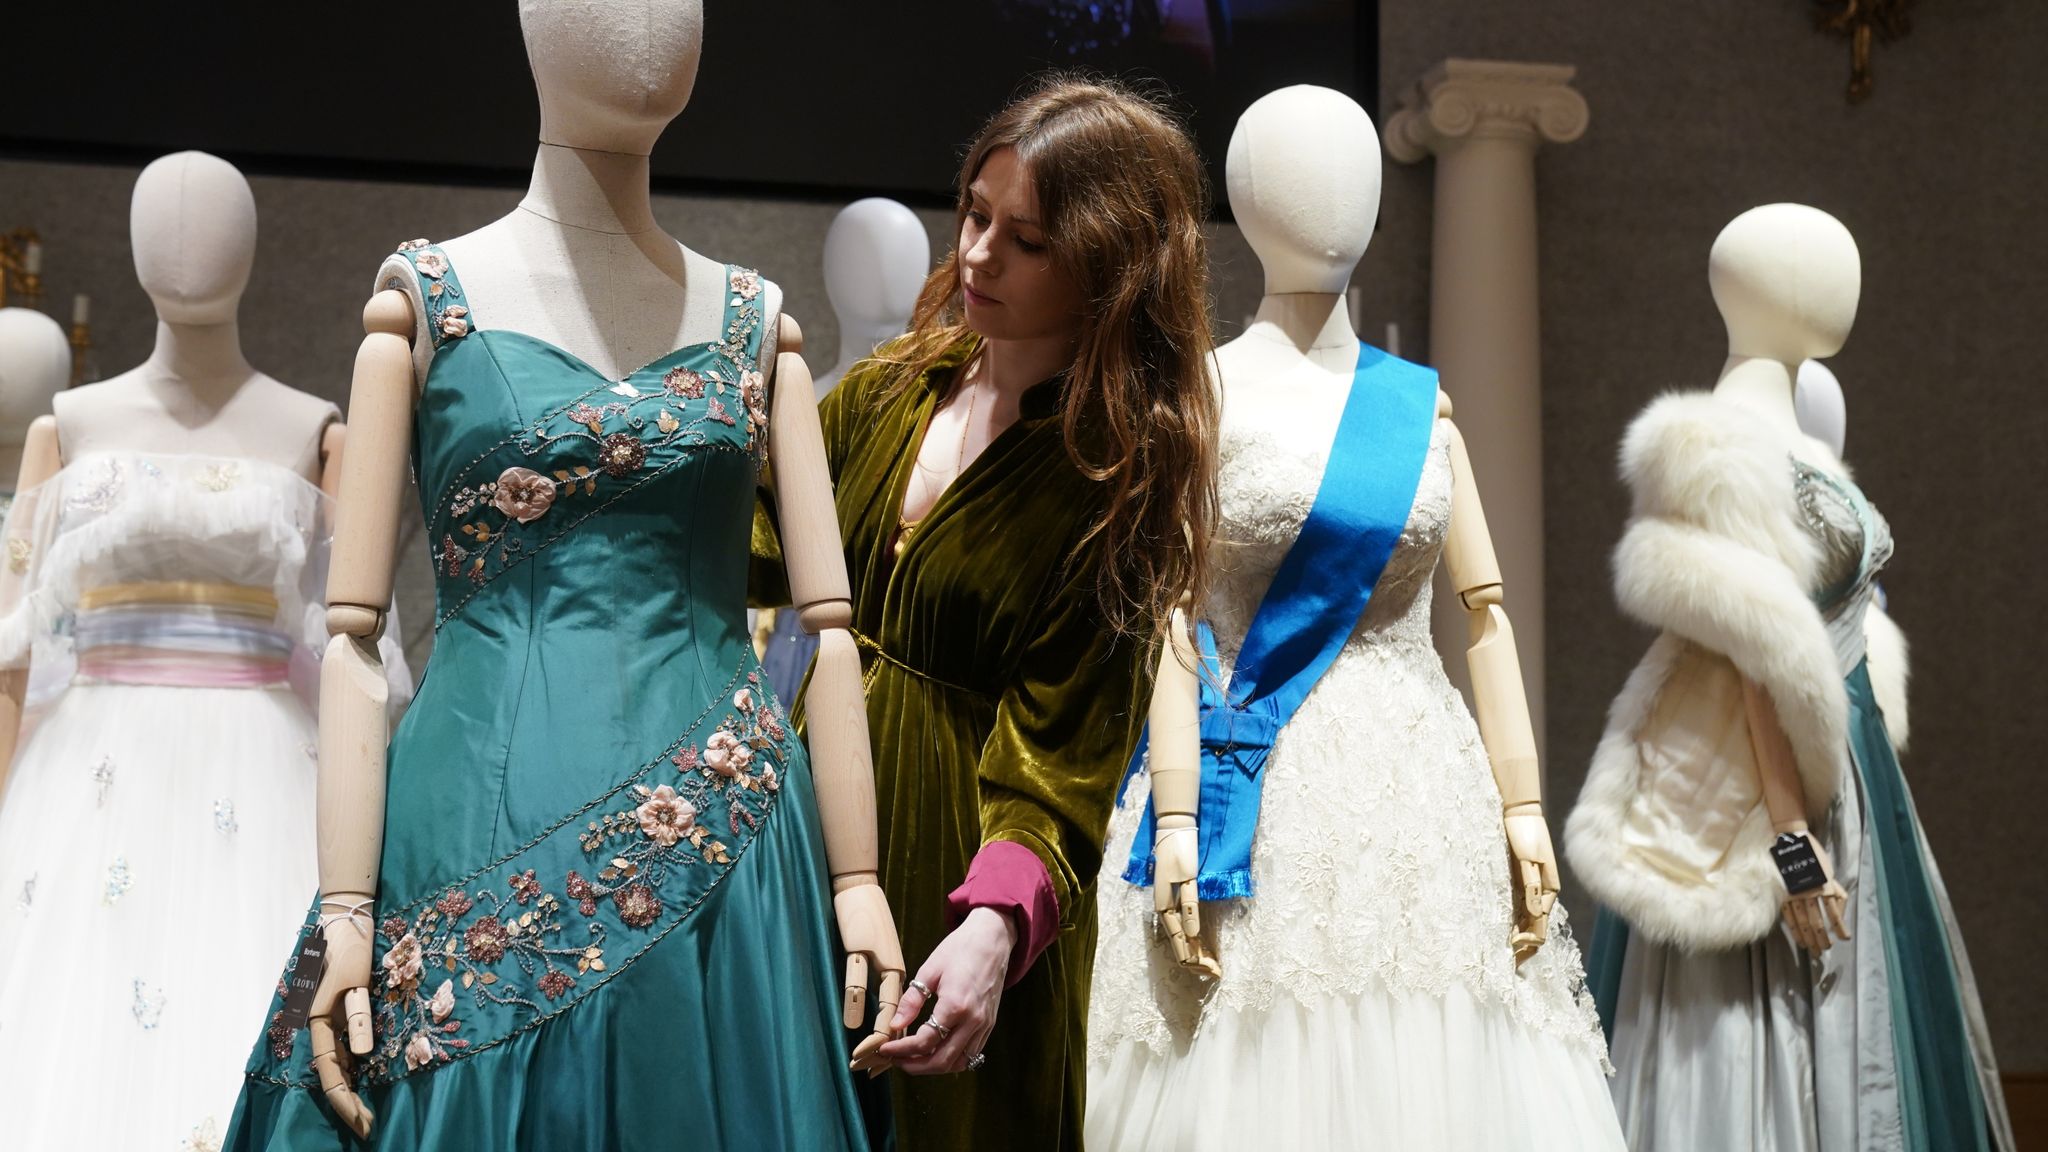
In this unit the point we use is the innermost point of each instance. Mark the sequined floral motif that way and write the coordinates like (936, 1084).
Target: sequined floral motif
(28, 894)
(102, 780)
(220, 477)
(529, 942)
(18, 553)
(148, 1006)
(224, 821)
(100, 484)
(119, 880)
(205, 1137)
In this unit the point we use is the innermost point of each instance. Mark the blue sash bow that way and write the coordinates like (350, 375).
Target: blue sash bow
(1316, 598)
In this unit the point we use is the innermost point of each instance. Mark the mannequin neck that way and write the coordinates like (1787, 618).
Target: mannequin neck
(1763, 386)
(591, 190)
(203, 359)
(1315, 324)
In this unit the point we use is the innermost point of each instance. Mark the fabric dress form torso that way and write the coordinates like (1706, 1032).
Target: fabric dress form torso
(1369, 997)
(1879, 1045)
(604, 917)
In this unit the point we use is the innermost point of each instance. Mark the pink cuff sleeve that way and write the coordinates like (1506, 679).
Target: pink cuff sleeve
(1010, 878)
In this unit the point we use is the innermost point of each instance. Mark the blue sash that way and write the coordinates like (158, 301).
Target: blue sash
(1315, 601)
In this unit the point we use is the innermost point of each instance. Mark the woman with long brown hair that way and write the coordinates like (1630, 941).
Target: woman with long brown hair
(1026, 484)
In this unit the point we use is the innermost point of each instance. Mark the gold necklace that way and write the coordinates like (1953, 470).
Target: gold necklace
(905, 526)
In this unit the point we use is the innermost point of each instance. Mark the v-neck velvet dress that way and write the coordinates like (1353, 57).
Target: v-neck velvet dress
(603, 912)
(1002, 709)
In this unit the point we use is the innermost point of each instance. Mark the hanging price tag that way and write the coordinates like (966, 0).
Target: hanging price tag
(1798, 866)
(304, 979)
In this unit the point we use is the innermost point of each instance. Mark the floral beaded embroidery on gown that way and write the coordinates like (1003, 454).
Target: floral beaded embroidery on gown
(603, 904)
(1369, 998)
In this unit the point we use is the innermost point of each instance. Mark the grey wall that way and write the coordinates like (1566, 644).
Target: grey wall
(1699, 111)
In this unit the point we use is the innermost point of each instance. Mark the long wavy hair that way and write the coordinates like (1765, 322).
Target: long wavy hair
(1122, 198)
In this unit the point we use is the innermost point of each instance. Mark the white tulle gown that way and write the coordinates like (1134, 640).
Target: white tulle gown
(1369, 999)
(157, 829)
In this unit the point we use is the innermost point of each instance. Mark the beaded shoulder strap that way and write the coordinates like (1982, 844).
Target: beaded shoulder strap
(448, 316)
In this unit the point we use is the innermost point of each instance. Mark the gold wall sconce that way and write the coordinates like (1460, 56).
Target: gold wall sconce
(21, 266)
(1862, 23)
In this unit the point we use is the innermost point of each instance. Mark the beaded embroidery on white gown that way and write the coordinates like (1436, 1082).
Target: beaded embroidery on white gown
(156, 832)
(1369, 998)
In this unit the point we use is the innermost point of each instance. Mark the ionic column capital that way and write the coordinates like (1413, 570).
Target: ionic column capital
(1460, 100)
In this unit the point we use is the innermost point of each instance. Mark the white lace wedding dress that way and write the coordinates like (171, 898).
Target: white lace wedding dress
(1369, 999)
(157, 829)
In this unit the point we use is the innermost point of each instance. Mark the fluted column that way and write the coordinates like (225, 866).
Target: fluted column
(1483, 121)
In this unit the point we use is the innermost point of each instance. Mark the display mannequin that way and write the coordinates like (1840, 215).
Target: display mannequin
(1749, 738)
(35, 364)
(876, 258)
(577, 283)
(1817, 401)
(162, 570)
(1379, 811)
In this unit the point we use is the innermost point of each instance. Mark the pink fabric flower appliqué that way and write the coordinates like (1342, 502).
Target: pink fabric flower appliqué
(523, 494)
(666, 817)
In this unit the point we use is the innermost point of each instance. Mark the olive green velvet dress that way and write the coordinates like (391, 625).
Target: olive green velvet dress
(1001, 708)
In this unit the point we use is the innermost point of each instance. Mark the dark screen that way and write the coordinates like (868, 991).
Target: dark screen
(807, 96)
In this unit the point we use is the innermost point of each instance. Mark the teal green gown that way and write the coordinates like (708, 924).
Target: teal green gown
(604, 914)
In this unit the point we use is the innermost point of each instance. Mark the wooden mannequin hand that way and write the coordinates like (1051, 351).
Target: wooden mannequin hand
(342, 1002)
(965, 974)
(868, 933)
(1812, 916)
(1176, 861)
(1532, 875)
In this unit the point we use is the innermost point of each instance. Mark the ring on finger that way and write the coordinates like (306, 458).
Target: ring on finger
(944, 1032)
(975, 1062)
(923, 988)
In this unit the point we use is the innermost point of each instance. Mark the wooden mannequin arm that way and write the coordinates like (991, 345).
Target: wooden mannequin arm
(1501, 705)
(1174, 719)
(371, 490)
(1776, 765)
(841, 758)
(816, 561)
(353, 688)
(40, 460)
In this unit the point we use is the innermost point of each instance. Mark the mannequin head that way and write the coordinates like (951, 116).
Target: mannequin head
(1817, 399)
(35, 364)
(876, 258)
(1786, 279)
(1303, 174)
(193, 225)
(611, 73)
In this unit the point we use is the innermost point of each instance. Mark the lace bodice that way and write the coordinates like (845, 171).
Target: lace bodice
(1380, 864)
(1267, 484)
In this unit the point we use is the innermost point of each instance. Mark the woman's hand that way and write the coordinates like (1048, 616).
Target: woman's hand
(1810, 916)
(343, 1001)
(1532, 874)
(965, 975)
(1176, 860)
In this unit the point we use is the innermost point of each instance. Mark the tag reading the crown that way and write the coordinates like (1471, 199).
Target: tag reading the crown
(304, 979)
(1798, 866)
